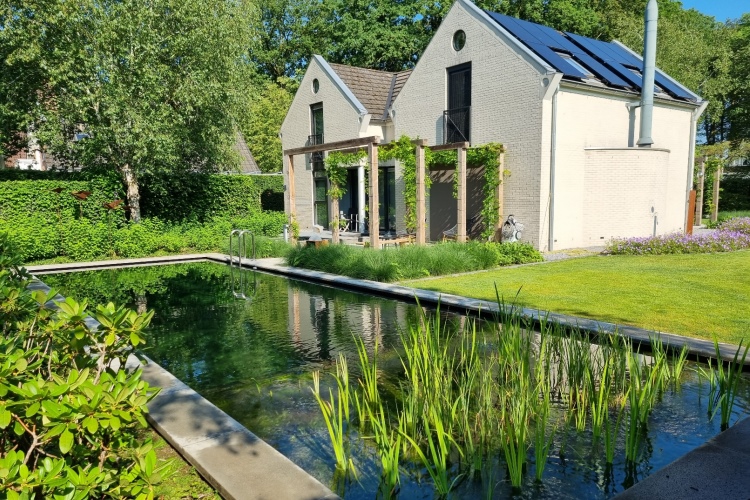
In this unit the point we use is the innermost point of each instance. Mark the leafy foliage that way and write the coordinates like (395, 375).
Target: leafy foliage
(156, 85)
(69, 412)
(403, 151)
(262, 121)
(411, 261)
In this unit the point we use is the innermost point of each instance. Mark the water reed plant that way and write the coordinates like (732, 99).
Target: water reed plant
(723, 382)
(467, 392)
(333, 413)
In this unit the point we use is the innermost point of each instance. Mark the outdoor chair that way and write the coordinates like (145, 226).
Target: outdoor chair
(452, 233)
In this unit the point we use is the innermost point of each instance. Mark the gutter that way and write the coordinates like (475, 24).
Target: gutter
(552, 90)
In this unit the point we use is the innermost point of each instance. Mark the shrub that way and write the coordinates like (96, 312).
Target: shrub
(69, 418)
(411, 261)
(722, 240)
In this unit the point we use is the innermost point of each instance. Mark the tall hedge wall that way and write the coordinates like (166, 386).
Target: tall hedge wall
(202, 196)
(187, 197)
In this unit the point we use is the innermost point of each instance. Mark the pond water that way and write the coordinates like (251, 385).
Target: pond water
(250, 343)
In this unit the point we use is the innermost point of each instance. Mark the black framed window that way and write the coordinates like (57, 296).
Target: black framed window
(456, 119)
(316, 134)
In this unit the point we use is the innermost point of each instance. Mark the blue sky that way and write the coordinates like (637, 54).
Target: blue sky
(720, 9)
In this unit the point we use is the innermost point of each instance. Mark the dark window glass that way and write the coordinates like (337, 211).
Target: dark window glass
(459, 40)
(456, 119)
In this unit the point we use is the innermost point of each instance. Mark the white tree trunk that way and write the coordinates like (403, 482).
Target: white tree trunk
(133, 194)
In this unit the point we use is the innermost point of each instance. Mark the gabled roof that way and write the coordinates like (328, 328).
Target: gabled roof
(587, 60)
(248, 164)
(375, 89)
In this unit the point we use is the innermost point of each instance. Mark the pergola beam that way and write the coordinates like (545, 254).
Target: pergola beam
(333, 146)
(372, 160)
(452, 145)
(421, 205)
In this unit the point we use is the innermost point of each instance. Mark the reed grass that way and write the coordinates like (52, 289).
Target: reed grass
(466, 394)
(336, 425)
(723, 382)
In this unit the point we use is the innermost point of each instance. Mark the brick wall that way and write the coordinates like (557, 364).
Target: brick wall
(341, 121)
(506, 107)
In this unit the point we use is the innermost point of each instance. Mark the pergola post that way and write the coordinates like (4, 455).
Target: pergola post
(500, 191)
(461, 210)
(290, 192)
(699, 201)
(421, 208)
(372, 160)
(715, 204)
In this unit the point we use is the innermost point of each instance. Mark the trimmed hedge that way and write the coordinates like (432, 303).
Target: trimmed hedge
(198, 197)
(204, 196)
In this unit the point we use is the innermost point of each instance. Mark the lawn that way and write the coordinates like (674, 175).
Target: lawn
(698, 295)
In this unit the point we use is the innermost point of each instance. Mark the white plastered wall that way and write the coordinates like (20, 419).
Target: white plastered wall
(506, 107)
(586, 175)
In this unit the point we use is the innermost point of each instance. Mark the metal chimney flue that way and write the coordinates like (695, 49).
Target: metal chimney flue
(649, 63)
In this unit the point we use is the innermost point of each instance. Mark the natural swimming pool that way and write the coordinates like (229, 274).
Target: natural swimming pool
(254, 358)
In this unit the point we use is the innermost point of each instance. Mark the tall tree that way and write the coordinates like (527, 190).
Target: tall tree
(261, 122)
(739, 94)
(152, 85)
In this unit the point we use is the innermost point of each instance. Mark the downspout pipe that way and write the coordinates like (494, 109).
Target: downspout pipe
(552, 90)
(649, 65)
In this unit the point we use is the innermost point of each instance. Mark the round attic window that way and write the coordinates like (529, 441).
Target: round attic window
(315, 86)
(459, 40)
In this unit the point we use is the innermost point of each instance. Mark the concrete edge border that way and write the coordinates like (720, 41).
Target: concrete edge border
(237, 463)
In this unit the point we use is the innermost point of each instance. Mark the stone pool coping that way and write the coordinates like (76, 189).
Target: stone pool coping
(716, 470)
(229, 456)
(237, 463)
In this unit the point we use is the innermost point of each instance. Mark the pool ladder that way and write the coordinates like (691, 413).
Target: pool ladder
(237, 273)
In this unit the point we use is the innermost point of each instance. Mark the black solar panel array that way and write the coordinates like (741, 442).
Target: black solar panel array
(608, 62)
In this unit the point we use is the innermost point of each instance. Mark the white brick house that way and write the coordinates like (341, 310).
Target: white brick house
(564, 109)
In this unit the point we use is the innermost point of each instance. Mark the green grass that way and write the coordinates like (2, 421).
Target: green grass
(694, 295)
(184, 482)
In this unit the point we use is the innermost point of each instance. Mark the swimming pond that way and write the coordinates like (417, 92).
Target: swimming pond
(254, 357)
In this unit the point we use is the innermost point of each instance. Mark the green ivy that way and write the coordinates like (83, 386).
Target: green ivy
(336, 164)
(485, 156)
(404, 151)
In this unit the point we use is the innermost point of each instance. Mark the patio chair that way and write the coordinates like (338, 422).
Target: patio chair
(452, 233)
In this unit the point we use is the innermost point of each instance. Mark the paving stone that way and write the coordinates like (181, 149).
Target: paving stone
(717, 470)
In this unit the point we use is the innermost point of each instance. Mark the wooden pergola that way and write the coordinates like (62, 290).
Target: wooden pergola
(371, 144)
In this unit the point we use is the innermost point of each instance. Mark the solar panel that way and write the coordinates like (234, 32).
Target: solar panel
(659, 77)
(605, 61)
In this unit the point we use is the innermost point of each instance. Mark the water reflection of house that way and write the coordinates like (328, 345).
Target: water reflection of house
(327, 323)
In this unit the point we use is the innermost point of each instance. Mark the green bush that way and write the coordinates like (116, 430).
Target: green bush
(202, 197)
(69, 419)
(411, 261)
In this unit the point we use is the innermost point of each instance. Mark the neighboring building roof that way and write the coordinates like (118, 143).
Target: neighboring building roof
(247, 161)
(375, 89)
(588, 60)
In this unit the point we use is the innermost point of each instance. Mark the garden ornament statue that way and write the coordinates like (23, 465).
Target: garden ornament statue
(511, 230)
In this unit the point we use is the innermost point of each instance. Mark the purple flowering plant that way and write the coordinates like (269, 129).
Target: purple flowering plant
(733, 234)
